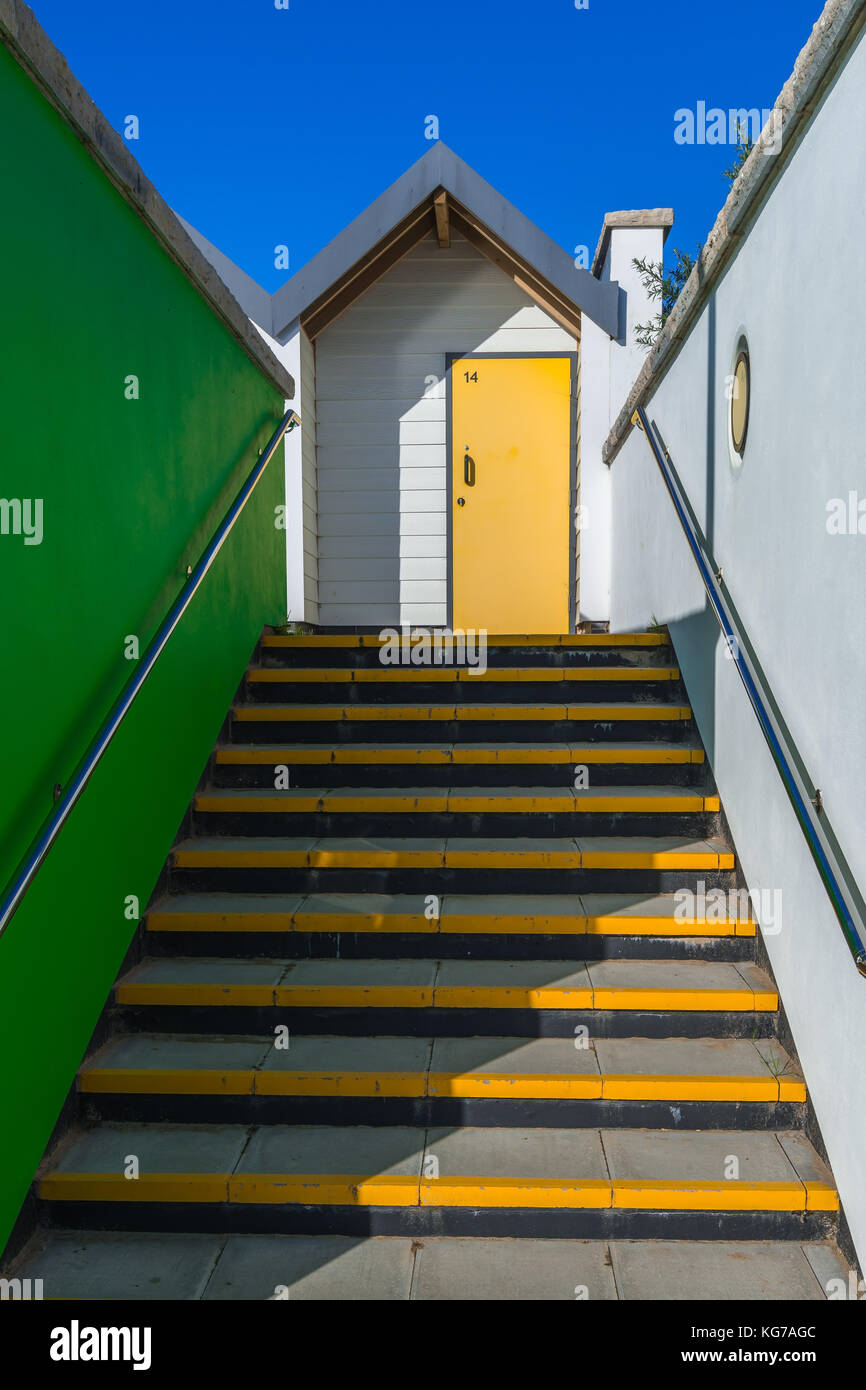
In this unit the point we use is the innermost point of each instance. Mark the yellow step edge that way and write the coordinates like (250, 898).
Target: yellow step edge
(321, 1083)
(269, 714)
(457, 1085)
(341, 675)
(354, 996)
(469, 924)
(272, 757)
(791, 1088)
(512, 859)
(605, 714)
(297, 803)
(219, 921)
(383, 1190)
(699, 1088)
(327, 713)
(743, 1000)
(148, 1187)
(599, 754)
(498, 1086)
(469, 713)
(687, 1000)
(821, 1196)
(367, 922)
(242, 858)
(503, 997)
(723, 1195)
(681, 801)
(431, 802)
(376, 859)
(268, 757)
(196, 996)
(324, 1190)
(656, 859)
(465, 924)
(621, 673)
(312, 639)
(233, 1187)
(164, 1081)
(564, 1193)
(624, 925)
(424, 675)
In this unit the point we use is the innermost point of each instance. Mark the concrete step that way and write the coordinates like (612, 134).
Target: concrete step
(445, 810)
(641, 1069)
(437, 864)
(517, 852)
(378, 683)
(468, 676)
(400, 1180)
(623, 800)
(471, 764)
(475, 721)
(476, 984)
(455, 926)
(133, 1265)
(355, 648)
(554, 914)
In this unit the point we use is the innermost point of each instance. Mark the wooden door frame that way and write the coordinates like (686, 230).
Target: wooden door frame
(573, 464)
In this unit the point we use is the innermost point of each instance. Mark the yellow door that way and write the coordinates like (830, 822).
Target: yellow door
(511, 493)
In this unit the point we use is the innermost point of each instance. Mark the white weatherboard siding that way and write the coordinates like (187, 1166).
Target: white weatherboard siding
(381, 476)
(307, 375)
(798, 588)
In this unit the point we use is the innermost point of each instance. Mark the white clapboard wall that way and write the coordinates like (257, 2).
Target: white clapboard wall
(380, 477)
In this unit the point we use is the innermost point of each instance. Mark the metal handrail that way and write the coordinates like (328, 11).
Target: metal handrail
(33, 860)
(823, 853)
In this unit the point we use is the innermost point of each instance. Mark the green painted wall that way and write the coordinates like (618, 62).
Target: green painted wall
(131, 491)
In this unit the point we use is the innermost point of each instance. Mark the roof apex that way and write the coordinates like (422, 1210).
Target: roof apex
(441, 169)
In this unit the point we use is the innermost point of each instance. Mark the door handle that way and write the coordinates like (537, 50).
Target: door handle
(468, 470)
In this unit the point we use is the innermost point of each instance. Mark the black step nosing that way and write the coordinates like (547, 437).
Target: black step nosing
(437, 1022)
(300, 945)
(607, 1223)
(349, 1111)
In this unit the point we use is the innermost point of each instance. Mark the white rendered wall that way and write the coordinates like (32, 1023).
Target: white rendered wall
(608, 372)
(628, 244)
(798, 290)
(296, 353)
(595, 559)
(381, 413)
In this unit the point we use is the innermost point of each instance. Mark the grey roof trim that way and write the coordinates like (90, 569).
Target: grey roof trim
(441, 168)
(32, 48)
(833, 36)
(253, 299)
(643, 217)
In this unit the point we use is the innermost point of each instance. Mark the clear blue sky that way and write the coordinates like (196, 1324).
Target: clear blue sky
(265, 126)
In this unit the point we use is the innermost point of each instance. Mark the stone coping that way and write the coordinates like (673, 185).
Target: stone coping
(636, 217)
(31, 47)
(832, 36)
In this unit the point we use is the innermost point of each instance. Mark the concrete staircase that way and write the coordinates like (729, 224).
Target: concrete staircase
(421, 1015)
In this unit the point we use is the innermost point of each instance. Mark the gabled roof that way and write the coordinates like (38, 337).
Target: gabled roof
(439, 192)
